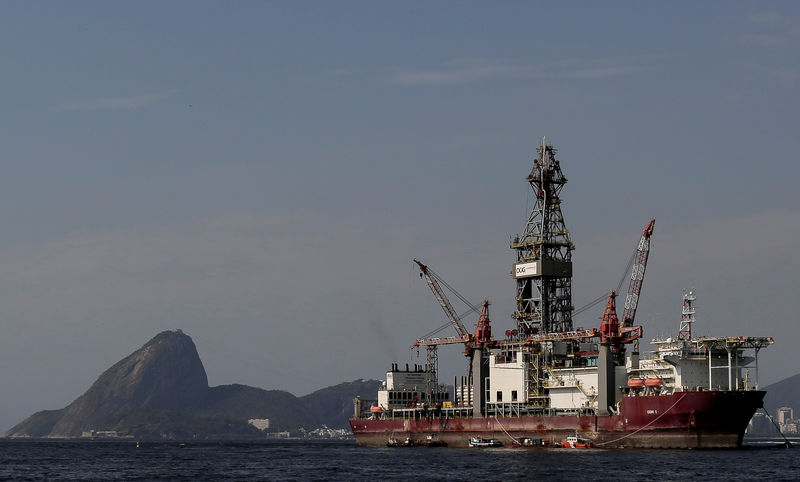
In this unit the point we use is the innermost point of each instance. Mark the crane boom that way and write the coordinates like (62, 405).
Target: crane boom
(442, 340)
(637, 276)
(433, 282)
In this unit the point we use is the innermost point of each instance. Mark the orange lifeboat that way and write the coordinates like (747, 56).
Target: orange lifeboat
(635, 382)
(375, 409)
(653, 382)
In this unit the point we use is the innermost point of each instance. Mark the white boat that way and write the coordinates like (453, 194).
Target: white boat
(481, 442)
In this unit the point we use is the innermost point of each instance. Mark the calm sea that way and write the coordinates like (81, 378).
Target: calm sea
(296, 460)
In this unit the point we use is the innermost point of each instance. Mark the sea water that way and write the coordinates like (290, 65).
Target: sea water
(312, 460)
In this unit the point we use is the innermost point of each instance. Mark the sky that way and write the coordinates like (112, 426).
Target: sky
(261, 175)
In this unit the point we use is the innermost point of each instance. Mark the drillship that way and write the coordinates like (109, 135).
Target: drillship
(546, 380)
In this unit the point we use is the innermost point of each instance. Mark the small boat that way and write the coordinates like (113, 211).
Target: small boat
(408, 442)
(575, 442)
(433, 440)
(529, 442)
(480, 442)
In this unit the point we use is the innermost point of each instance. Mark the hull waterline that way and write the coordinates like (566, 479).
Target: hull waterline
(708, 419)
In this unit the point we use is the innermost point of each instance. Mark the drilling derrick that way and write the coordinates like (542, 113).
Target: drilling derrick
(543, 270)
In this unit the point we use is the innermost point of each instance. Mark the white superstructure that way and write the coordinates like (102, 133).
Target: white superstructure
(411, 387)
(703, 363)
(688, 363)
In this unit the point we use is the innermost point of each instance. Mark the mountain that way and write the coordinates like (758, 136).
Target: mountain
(161, 390)
(281, 408)
(334, 404)
(165, 374)
(785, 393)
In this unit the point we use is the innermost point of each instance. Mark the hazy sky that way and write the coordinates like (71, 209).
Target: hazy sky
(261, 174)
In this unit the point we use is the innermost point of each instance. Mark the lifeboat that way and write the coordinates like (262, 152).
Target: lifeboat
(375, 409)
(635, 382)
(653, 382)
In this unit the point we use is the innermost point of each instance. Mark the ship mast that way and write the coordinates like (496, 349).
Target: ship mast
(687, 316)
(543, 270)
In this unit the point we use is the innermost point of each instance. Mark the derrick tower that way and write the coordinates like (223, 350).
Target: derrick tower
(543, 270)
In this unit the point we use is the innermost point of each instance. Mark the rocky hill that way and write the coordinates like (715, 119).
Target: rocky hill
(785, 393)
(161, 390)
(334, 404)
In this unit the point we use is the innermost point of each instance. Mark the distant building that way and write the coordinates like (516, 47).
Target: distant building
(100, 434)
(328, 433)
(760, 425)
(785, 415)
(259, 423)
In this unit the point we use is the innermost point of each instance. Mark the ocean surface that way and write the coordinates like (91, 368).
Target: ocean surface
(310, 460)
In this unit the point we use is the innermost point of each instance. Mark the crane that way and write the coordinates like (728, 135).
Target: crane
(482, 330)
(434, 282)
(637, 276)
(613, 332)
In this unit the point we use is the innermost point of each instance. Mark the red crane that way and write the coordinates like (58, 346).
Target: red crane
(483, 329)
(611, 330)
(637, 276)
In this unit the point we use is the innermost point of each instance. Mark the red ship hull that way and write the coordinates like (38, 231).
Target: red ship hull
(708, 419)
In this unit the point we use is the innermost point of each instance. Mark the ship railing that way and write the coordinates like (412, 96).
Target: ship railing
(561, 412)
(419, 413)
(505, 409)
(407, 413)
(457, 412)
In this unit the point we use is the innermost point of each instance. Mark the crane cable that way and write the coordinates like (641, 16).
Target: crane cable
(446, 285)
(472, 308)
(448, 324)
(604, 296)
(644, 427)
(575, 313)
